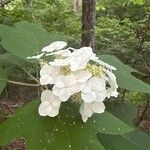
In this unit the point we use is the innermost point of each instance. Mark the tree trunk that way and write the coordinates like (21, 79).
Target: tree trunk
(88, 23)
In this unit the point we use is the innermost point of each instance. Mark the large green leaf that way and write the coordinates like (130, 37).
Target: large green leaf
(67, 131)
(124, 77)
(25, 39)
(135, 140)
(3, 79)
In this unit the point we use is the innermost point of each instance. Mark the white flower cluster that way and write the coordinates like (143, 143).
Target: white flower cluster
(78, 75)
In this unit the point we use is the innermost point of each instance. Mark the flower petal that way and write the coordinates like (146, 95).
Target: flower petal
(81, 110)
(64, 53)
(36, 57)
(58, 45)
(76, 88)
(112, 92)
(45, 79)
(47, 95)
(98, 107)
(44, 108)
(69, 80)
(59, 62)
(49, 70)
(86, 89)
(54, 112)
(60, 82)
(64, 94)
(83, 75)
(101, 96)
(88, 97)
(56, 90)
(56, 102)
(97, 84)
(87, 109)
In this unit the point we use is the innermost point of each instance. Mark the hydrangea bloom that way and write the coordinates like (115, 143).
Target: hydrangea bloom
(72, 75)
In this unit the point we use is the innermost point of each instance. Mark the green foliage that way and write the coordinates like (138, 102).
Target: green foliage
(67, 130)
(139, 99)
(140, 2)
(2, 80)
(124, 77)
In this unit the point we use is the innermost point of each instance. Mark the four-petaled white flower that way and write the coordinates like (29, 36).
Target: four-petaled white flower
(50, 104)
(88, 109)
(64, 87)
(49, 74)
(72, 74)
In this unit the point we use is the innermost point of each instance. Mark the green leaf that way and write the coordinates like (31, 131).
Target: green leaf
(22, 42)
(8, 59)
(66, 131)
(124, 77)
(124, 111)
(41, 36)
(25, 39)
(135, 140)
(3, 79)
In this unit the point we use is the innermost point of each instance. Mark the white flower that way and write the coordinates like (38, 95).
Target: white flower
(95, 90)
(55, 46)
(64, 86)
(50, 104)
(88, 109)
(49, 74)
(78, 59)
(36, 57)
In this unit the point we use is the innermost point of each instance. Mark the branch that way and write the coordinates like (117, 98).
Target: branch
(23, 84)
(30, 75)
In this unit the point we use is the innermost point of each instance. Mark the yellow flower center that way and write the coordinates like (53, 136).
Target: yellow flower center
(95, 70)
(65, 70)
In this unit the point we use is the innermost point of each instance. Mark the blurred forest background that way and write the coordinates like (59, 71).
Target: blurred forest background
(122, 29)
